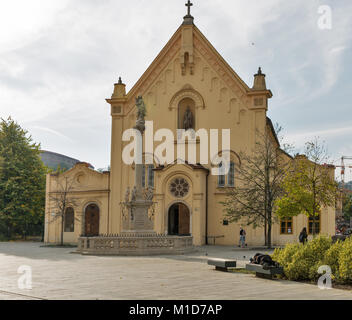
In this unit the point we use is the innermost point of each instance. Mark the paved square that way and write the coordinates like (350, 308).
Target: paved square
(59, 274)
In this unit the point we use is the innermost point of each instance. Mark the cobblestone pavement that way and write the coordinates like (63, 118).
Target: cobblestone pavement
(59, 274)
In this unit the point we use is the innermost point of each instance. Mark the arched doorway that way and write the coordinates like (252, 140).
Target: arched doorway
(92, 220)
(179, 220)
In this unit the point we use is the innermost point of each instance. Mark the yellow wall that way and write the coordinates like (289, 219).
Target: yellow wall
(88, 186)
(222, 101)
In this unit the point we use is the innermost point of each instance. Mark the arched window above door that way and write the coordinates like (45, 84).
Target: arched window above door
(179, 187)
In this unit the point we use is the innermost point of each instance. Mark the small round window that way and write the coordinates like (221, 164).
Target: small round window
(179, 187)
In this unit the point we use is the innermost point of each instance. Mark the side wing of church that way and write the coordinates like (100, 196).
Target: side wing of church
(188, 85)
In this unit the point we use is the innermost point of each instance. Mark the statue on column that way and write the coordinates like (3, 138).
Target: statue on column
(134, 194)
(141, 113)
(188, 119)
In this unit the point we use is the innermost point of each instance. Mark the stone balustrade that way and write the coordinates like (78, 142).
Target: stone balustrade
(135, 244)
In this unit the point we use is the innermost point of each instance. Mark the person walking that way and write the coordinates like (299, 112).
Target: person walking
(303, 236)
(242, 238)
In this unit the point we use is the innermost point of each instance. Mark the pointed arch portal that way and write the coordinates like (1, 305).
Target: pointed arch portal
(179, 220)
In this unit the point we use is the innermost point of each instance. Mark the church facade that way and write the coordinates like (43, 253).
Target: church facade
(188, 86)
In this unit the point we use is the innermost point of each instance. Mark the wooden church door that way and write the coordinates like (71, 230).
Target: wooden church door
(183, 220)
(92, 220)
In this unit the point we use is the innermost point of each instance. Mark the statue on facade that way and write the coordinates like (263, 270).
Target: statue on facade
(134, 194)
(188, 119)
(141, 113)
(149, 194)
(127, 195)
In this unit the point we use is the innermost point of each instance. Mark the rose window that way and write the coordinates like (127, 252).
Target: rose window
(179, 187)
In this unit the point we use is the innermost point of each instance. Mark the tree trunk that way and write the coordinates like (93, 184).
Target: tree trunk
(62, 231)
(269, 236)
(269, 230)
(25, 231)
(265, 232)
(8, 231)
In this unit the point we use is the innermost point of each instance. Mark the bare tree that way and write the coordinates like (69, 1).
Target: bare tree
(259, 182)
(61, 200)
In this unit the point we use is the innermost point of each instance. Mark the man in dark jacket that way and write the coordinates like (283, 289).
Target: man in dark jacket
(303, 236)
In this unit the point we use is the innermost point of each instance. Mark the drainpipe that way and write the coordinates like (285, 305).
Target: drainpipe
(206, 208)
(108, 226)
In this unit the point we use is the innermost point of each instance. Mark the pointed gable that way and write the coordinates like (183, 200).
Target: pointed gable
(189, 60)
(157, 66)
(183, 47)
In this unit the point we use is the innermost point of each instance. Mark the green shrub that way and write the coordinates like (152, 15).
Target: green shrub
(345, 261)
(301, 262)
(284, 256)
(3, 238)
(331, 259)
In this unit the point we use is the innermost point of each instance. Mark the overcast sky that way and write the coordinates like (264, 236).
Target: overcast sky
(60, 58)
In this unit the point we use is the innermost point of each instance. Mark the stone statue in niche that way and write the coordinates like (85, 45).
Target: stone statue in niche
(188, 119)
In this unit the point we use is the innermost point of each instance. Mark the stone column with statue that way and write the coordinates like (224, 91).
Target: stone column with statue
(137, 236)
(138, 218)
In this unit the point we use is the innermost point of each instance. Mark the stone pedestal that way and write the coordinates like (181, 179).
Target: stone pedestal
(138, 236)
(138, 219)
(135, 245)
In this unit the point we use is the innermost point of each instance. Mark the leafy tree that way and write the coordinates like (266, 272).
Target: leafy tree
(309, 184)
(63, 167)
(101, 170)
(22, 180)
(347, 206)
(259, 183)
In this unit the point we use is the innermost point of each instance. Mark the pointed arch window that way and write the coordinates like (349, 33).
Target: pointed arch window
(151, 176)
(231, 175)
(221, 177)
(229, 179)
(148, 176)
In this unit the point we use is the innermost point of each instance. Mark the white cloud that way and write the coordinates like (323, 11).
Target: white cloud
(59, 59)
(337, 49)
(22, 21)
(300, 138)
(59, 134)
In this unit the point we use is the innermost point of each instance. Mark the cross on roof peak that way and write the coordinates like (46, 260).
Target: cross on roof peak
(188, 19)
(189, 4)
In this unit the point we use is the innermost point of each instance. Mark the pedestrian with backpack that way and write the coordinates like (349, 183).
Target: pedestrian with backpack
(303, 236)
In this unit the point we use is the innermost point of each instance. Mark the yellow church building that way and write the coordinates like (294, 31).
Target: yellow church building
(187, 80)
